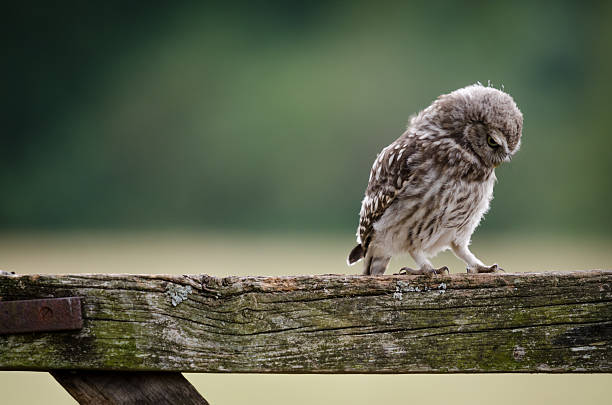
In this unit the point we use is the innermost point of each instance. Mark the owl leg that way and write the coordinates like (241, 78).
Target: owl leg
(375, 263)
(425, 266)
(473, 264)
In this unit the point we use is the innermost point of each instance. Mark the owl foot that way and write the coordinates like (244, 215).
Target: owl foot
(406, 271)
(484, 269)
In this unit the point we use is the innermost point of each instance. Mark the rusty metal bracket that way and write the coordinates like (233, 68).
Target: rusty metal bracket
(44, 315)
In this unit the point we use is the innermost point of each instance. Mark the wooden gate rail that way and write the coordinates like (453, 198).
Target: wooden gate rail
(552, 322)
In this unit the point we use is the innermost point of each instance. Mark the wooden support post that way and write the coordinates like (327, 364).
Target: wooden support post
(114, 388)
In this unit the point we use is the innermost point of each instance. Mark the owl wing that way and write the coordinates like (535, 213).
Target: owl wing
(387, 178)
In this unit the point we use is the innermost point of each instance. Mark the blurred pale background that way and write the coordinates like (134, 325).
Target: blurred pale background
(237, 139)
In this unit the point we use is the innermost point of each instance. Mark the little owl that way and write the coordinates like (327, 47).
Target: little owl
(429, 189)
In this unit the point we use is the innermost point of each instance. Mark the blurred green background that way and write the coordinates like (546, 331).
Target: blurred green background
(268, 117)
(237, 138)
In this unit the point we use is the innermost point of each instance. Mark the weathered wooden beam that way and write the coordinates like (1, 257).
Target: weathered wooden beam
(117, 388)
(537, 322)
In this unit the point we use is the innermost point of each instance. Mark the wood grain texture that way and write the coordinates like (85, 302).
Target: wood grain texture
(116, 387)
(527, 322)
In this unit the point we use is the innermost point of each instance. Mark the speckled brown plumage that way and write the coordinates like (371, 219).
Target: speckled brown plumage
(429, 189)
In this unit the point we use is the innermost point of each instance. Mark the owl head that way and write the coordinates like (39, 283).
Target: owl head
(485, 120)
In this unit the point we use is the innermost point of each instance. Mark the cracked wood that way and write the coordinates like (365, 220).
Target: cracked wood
(524, 322)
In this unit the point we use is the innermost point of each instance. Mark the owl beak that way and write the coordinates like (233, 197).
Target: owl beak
(507, 159)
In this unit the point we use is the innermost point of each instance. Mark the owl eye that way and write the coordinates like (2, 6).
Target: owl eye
(491, 142)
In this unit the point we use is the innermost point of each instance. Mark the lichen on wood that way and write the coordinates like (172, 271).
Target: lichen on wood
(527, 322)
(177, 293)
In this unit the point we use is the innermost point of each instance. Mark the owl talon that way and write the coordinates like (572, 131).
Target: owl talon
(407, 271)
(485, 269)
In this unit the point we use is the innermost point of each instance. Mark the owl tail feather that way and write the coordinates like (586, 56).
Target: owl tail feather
(356, 254)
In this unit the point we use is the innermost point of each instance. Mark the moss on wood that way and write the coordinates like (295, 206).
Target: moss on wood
(538, 322)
